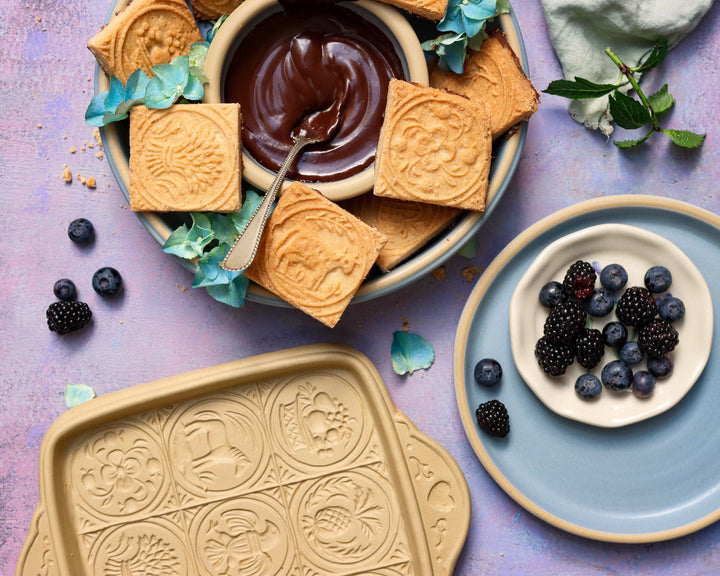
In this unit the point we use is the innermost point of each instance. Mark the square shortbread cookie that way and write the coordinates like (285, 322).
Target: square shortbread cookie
(494, 76)
(186, 158)
(314, 254)
(407, 225)
(429, 9)
(434, 147)
(143, 34)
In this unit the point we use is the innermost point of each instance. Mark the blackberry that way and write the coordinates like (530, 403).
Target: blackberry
(67, 316)
(579, 281)
(493, 417)
(553, 358)
(564, 322)
(636, 307)
(657, 338)
(589, 347)
(107, 281)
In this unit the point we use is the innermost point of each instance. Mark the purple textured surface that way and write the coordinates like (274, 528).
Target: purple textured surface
(160, 327)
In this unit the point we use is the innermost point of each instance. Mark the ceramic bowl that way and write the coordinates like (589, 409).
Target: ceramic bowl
(388, 19)
(505, 158)
(636, 249)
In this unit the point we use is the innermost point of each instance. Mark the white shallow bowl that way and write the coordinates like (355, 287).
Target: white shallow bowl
(637, 250)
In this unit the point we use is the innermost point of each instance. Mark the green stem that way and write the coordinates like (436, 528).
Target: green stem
(633, 82)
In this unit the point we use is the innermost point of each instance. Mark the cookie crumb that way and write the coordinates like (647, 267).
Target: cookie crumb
(90, 182)
(73, 150)
(98, 139)
(67, 175)
(439, 273)
(470, 272)
(405, 325)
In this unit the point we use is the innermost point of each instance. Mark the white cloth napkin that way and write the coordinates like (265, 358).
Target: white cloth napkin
(580, 30)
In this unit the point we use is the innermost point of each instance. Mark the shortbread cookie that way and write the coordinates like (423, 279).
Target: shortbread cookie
(143, 34)
(186, 158)
(407, 225)
(434, 147)
(429, 9)
(314, 254)
(494, 76)
(213, 9)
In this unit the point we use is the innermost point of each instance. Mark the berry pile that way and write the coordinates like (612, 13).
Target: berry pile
(492, 416)
(642, 329)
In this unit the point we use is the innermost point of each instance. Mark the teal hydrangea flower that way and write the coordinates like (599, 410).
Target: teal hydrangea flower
(467, 16)
(410, 352)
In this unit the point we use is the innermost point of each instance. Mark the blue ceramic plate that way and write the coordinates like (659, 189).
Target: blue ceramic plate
(648, 481)
(506, 155)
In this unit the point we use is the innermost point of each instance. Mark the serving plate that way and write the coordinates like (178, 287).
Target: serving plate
(506, 156)
(637, 249)
(648, 481)
(292, 462)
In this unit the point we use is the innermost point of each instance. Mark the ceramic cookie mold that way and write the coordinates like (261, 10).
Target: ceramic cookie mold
(293, 462)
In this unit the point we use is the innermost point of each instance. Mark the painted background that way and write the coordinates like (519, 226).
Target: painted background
(160, 327)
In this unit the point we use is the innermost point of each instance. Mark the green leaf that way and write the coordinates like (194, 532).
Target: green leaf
(656, 56)
(190, 243)
(219, 22)
(578, 89)
(410, 352)
(661, 101)
(685, 138)
(475, 43)
(470, 248)
(627, 112)
(232, 294)
(632, 143)
(96, 109)
(76, 394)
(502, 7)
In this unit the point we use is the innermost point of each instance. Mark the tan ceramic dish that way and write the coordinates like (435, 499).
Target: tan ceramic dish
(503, 168)
(227, 38)
(294, 462)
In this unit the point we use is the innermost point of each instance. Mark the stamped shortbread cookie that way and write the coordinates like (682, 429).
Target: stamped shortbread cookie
(429, 9)
(407, 225)
(186, 158)
(494, 76)
(314, 254)
(145, 33)
(213, 9)
(434, 147)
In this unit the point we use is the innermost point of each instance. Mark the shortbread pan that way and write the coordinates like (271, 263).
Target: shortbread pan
(294, 462)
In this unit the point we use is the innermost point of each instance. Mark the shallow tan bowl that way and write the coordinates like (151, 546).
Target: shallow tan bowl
(387, 18)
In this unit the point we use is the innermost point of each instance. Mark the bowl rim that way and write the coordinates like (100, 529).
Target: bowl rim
(425, 260)
(398, 30)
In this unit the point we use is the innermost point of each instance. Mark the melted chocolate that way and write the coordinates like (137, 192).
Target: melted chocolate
(301, 61)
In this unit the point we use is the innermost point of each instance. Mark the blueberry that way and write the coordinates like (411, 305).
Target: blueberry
(107, 282)
(600, 303)
(643, 384)
(488, 372)
(616, 375)
(672, 309)
(588, 386)
(613, 277)
(660, 367)
(658, 279)
(64, 289)
(615, 334)
(552, 294)
(81, 231)
(631, 353)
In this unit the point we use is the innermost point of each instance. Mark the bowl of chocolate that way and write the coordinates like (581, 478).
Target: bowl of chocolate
(282, 61)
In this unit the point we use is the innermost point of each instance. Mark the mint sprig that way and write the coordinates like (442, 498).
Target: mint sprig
(462, 27)
(627, 112)
(207, 241)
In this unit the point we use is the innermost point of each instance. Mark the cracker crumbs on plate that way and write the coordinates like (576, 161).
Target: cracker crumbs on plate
(405, 325)
(98, 140)
(439, 273)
